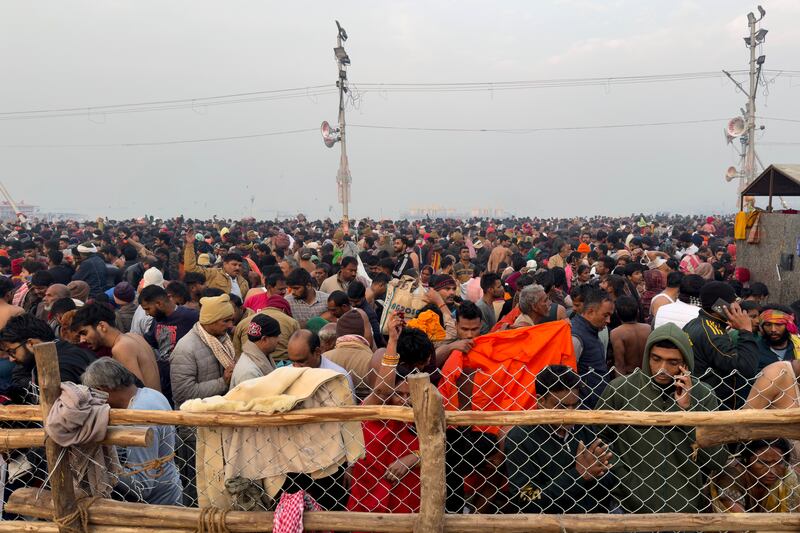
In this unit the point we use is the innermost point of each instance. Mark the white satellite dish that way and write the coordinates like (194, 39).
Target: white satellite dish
(735, 127)
(329, 135)
(731, 174)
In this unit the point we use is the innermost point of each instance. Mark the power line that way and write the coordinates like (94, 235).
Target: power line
(205, 100)
(142, 108)
(313, 91)
(162, 143)
(780, 119)
(370, 126)
(586, 81)
(535, 130)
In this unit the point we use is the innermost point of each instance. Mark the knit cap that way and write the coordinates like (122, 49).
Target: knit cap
(124, 292)
(214, 308)
(153, 276)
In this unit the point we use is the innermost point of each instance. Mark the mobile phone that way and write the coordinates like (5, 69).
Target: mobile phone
(684, 372)
(721, 307)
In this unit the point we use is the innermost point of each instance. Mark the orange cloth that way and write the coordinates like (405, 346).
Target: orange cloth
(428, 321)
(254, 268)
(507, 363)
(740, 226)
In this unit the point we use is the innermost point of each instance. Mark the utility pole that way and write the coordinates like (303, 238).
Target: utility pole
(343, 178)
(331, 136)
(747, 135)
(755, 70)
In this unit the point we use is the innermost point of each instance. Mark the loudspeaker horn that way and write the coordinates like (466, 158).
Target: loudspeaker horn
(329, 135)
(735, 127)
(731, 174)
(728, 138)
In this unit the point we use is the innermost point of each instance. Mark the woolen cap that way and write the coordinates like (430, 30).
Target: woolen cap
(153, 276)
(214, 308)
(350, 323)
(123, 291)
(263, 326)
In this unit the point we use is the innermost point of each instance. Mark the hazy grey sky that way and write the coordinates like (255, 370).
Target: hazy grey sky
(56, 54)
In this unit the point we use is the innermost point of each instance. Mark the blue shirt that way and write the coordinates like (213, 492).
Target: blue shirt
(149, 487)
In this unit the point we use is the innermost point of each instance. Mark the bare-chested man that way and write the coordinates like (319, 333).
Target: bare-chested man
(7, 310)
(629, 339)
(778, 387)
(500, 254)
(95, 324)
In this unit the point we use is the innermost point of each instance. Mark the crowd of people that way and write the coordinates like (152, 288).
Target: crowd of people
(653, 312)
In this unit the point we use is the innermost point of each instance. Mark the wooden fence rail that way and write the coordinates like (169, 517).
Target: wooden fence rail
(115, 436)
(110, 513)
(430, 418)
(125, 417)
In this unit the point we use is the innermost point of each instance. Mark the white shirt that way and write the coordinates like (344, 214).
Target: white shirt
(235, 289)
(141, 321)
(678, 313)
(691, 250)
(326, 363)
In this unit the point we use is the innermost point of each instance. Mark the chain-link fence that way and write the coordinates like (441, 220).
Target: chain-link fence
(374, 465)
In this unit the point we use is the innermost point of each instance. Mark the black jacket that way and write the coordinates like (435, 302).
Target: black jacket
(374, 322)
(72, 362)
(93, 271)
(61, 274)
(113, 276)
(542, 476)
(725, 364)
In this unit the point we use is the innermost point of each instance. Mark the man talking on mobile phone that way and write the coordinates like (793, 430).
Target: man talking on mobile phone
(726, 364)
(656, 468)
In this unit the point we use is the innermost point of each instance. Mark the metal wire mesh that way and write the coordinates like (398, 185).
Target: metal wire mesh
(509, 469)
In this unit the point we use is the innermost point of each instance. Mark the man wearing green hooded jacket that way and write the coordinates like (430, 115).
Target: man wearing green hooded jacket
(655, 466)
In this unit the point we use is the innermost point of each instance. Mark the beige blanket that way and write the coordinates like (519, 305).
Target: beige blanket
(269, 453)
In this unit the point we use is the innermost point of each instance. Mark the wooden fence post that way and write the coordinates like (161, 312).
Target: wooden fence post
(49, 377)
(429, 420)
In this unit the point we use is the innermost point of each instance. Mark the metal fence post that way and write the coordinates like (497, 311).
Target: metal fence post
(429, 420)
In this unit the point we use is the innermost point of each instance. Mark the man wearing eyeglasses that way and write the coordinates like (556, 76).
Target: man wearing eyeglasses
(558, 469)
(17, 340)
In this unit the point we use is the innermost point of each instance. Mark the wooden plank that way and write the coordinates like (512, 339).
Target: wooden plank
(429, 415)
(608, 523)
(117, 515)
(109, 512)
(49, 377)
(632, 418)
(22, 413)
(706, 436)
(116, 436)
(16, 526)
(123, 417)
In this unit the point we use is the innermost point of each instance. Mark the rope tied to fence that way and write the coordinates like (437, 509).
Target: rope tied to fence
(148, 466)
(212, 520)
(80, 514)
